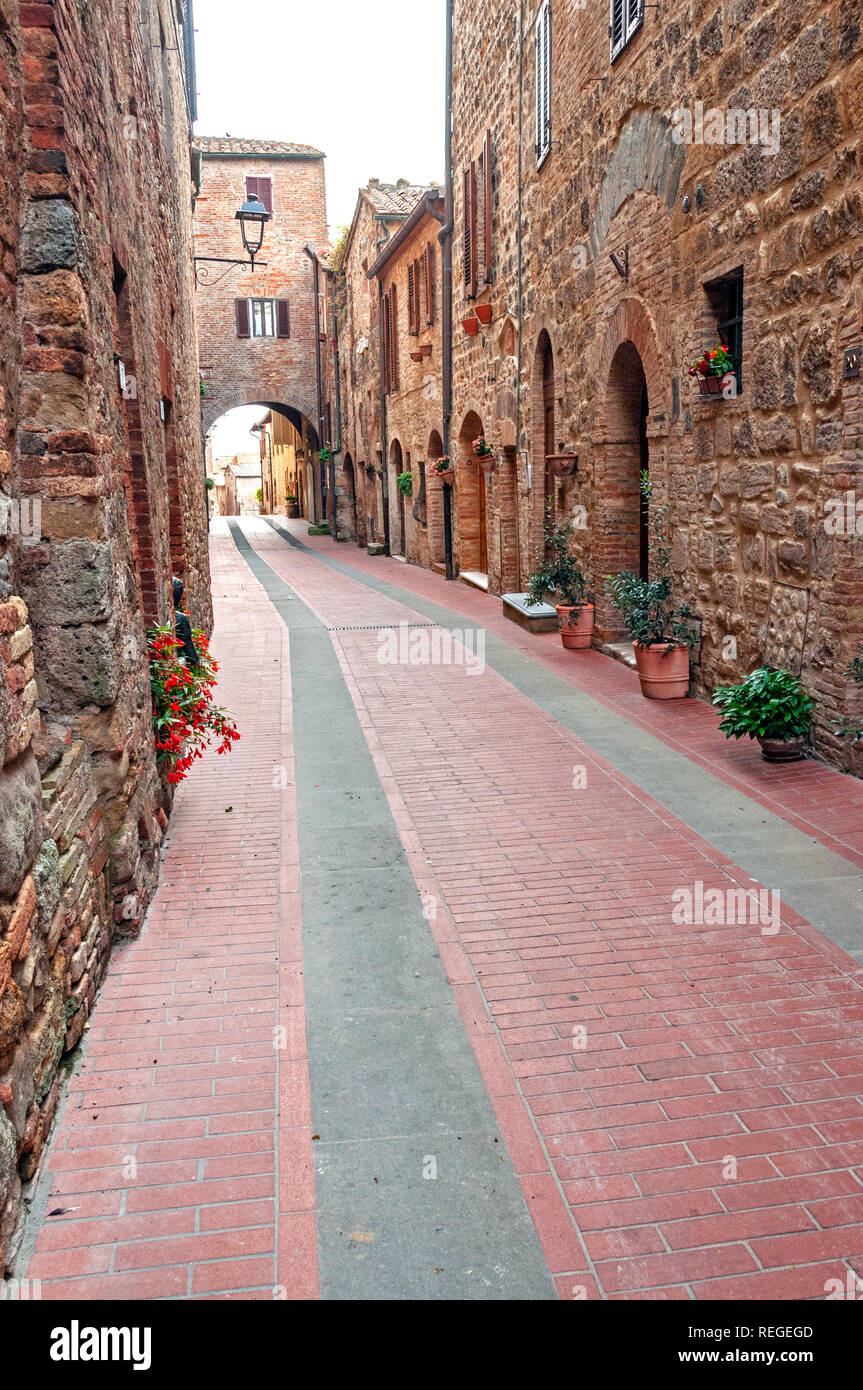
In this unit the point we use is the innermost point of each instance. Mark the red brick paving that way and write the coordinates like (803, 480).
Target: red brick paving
(816, 799)
(181, 1074)
(703, 1045)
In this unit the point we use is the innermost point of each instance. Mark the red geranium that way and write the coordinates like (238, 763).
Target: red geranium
(185, 719)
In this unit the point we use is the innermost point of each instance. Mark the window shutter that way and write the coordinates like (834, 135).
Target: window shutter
(429, 279)
(617, 26)
(486, 206)
(386, 356)
(394, 339)
(262, 189)
(244, 326)
(283, 318)
(418, 283)
(543, 81)
(470, 246)
(413, 316)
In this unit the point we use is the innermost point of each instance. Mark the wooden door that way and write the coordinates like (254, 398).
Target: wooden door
(481, 520)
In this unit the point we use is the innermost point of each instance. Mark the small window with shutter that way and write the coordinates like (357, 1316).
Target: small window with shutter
(470, 249)
(263, 318)
(413, 297)
(262, 189)
(243, 318)
(543, 82)
(428, 279)
(626, 17)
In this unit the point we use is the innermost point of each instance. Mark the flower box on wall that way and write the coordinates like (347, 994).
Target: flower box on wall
(484, 313)
(471, 326)
(562, 465)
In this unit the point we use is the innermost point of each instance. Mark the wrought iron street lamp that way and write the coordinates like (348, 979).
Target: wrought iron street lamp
(253, 218)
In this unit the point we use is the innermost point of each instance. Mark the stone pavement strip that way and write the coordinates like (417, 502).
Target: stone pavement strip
(474, 906)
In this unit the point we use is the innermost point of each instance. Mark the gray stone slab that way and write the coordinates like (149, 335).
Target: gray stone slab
(393, 1076)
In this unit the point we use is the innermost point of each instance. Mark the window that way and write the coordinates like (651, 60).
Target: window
(470, 246)
(413, 298)
(726, 304)
(627, 16)
(390, 342)
(428, 276)
(262, 189)
(543, 81)
(263, 318)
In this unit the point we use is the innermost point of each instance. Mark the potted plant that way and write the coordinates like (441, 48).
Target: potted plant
(485, 454)
(209, 484)
(770, 706)
(324, 455)
(444, 469)
(405, 484)
(293, 506)
(562, 465)
(560, 577)
(484, 313)
(370, 470)
(661, 635)
(712, 369)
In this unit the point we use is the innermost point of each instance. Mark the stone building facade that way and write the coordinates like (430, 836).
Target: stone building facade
(405, 279)
(101, 501)
(714, 151)
(380, 211)
(259, 332)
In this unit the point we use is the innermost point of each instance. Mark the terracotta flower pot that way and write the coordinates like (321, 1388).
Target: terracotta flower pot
(576, 626)
(293, 510)
(562, 467)
(663, 670)
(447, 476)
(471, 326)
(487, 462)
(710, 385)
(782, 750)
(483, 313)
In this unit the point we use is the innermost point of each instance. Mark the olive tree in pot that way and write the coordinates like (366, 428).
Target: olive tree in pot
(661, 631)
(562, 581)
(770, 706)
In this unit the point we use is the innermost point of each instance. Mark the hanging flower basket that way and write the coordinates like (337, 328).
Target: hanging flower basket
(444, 470)
(485, 454)
(484, 313)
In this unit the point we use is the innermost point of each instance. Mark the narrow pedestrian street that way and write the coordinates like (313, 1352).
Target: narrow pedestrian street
(413, 1014)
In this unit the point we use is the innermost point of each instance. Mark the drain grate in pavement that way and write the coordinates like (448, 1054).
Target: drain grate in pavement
(378, 627)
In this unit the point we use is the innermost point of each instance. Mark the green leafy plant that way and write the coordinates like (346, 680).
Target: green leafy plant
(370, 470)
(558, 573)
(210, 484)
(203, 388)
(443, 464)
(713, 362)
(325, 454)
(405, 484)
(291, 498)
(481, 448)
(855, 671)
(768, 704)
(259, 493)
(647, 605)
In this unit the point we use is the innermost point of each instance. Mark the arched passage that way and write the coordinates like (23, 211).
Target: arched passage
(437, 536)
(286, 446)
(472, 503)
(622, 541)
(397, 500)
(348, 501)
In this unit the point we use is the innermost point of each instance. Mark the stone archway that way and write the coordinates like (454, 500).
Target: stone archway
(632, 415)
(398, 535)
(218, 404)
(472, 502)
(437, 534)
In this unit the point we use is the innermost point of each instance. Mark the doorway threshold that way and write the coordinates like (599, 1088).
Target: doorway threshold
(621, 651)
(475, 578)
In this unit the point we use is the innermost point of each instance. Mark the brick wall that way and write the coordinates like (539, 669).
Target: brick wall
(242, 371)
(96, 230)
(747, 479)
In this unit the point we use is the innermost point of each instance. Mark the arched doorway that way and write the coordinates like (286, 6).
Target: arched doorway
(437, 505)
(472, 501)
(548, 436)
(622, 543)
(397, 542)
(348, 510)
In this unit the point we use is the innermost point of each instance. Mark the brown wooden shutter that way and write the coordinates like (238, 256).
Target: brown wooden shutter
(244, 324)
(486, 206)
(262, 189)
(283, 318)
(386, 354)
(394, 338)
(413, 316)
(418, 281)
(430, 286)
(470, 245)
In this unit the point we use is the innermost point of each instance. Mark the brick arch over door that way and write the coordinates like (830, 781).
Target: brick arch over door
(215, 406)
(646, 156)
(626, 439)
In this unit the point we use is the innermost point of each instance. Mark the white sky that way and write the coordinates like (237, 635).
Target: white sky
(325, 75)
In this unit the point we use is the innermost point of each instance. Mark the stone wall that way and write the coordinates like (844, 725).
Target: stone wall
(104, 485)
(748, 479)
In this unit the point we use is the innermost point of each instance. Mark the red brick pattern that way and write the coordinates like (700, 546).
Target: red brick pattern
(708, 1139)
(183, 1159)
